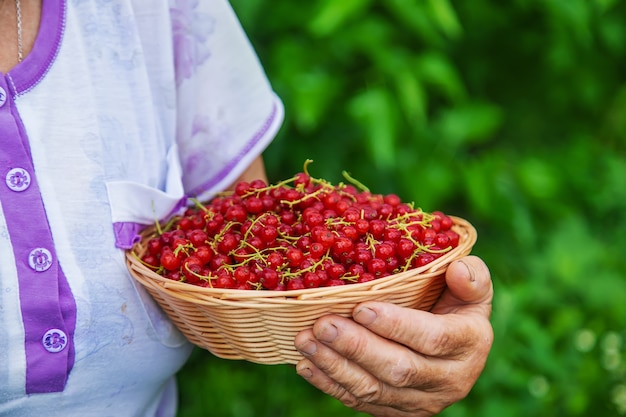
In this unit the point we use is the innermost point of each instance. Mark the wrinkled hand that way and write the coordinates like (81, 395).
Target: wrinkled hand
(399, 362)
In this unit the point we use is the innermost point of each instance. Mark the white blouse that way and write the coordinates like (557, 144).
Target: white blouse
(122, 110)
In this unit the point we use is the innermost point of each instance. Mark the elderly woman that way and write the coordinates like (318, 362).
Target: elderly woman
(112, 113)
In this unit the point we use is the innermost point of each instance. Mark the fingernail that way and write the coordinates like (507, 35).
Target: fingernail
(470, 271)
(328, 334)
(308, 349)
(305, 373)
(365, 315)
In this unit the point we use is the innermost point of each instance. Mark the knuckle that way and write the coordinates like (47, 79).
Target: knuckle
(441, 343)
(355, 348)
(347, 398)
(333, 368)
(354, 403)
(403, 374)
(367, 393)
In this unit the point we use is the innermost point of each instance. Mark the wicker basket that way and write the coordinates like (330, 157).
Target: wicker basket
(260, 326)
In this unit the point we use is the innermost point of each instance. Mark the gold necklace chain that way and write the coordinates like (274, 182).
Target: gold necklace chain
(18, 12)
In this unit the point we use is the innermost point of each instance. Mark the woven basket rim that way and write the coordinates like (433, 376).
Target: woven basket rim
(146, 276)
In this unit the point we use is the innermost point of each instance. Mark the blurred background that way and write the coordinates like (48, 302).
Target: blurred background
(509, 114)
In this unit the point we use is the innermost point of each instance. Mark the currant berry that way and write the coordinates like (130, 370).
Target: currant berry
(227, 243)
(204, 254)
(366, 277)
(405, 248)
(362, 257)
(268, 234)
(342, 206)
(191, 268)
(317, 250)
(350, 232)
(441, 240)
(253, 204)
(377, 267)
(392, 199)
(241, 274)
(454, 238)
(384, 251)
(362, 226)
(150, 260)
(311, 280)
(302, 179)
(295, 284)
(270, 278)
(170, 261)
(236, 213)
(423, 259)
(294, 256)
(258, 184)
(242, 188)
(342, 247)
(197, 237)
(377, 228)
(288, 217)
(336, 270)
(154, 246)
(275, 260)
(226, 281)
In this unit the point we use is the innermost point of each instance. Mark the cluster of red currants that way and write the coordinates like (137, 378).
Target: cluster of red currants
(301, 233)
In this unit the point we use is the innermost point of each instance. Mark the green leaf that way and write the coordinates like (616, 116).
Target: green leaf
(444, 15)
(332, 14)
(413, 97)
(376, 112)
(469, 124)
(538, 178)
(436, 70)
(604, 5)
(414, 16)
(313, 93)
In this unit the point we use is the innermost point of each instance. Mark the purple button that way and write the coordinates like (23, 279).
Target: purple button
(18, 179)
(40, 259)
(54, 340)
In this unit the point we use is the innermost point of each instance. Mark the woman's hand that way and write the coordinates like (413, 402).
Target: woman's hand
(399, 362)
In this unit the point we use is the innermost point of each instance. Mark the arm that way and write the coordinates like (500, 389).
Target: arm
(256, 170)
(397, 362)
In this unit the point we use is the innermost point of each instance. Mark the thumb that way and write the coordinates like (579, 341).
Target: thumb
(468, 282)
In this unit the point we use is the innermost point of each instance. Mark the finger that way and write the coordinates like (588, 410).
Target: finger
(343, 379)
(452, 336)
(321, 381)
(350, 355)
(469, 285)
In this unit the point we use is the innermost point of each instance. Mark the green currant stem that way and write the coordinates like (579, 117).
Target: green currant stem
(300, 200)
(156, 269)
(351, 278)
(202, 277)
(182, 248)
(355, 182)
(306, 166)
(156, 221)
(197, 203)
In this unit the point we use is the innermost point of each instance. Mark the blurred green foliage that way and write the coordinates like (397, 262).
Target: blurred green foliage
(510, 114)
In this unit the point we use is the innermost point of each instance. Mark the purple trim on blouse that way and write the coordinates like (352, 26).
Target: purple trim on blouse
(34, 67)
(127, 233)
(223, 173)
(46, 301)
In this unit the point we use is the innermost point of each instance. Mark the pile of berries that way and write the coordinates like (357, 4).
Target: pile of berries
(301, 233)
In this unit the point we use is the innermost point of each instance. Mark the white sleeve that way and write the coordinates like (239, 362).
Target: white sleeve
(227, 112)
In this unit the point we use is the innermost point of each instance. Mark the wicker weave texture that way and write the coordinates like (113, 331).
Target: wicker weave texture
(260, 326)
